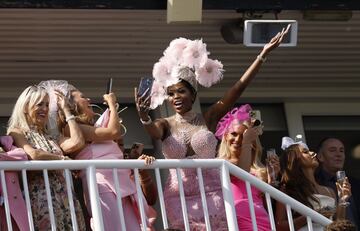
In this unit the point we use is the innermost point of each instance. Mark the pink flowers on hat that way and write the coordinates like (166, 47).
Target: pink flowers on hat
(210, 73)
(238, 114)
(184, 53)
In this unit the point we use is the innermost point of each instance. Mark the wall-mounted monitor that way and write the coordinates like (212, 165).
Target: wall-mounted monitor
(257, 33)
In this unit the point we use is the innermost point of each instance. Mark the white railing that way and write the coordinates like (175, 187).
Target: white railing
(90, 166)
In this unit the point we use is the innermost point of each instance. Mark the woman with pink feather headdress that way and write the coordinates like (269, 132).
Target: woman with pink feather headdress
(187, 134)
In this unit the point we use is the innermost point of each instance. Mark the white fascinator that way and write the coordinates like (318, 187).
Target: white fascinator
(51, 86)
(287, 142)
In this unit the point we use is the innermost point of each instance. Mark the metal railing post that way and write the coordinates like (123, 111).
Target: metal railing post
(6, 201)
(228, 198)
(94, 198)
(27, 200)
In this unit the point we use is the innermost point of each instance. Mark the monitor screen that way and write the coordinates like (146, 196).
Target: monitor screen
(259, 32)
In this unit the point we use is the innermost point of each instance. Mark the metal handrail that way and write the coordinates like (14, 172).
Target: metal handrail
(225, 167)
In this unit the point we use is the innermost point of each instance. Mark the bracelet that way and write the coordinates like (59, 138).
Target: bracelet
(261, 58)
(147, 122)
(72, 117)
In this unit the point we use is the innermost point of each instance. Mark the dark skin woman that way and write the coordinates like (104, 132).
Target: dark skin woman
(190, 135)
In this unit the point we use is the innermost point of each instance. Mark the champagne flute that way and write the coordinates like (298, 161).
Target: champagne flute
(340, 178)
(271, 153)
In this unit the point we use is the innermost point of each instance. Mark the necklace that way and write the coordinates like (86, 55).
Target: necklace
(188, 117)
(186, 125)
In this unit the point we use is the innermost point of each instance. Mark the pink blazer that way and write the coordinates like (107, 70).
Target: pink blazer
(18, 208)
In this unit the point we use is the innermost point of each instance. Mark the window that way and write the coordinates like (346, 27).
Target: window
(346, 128)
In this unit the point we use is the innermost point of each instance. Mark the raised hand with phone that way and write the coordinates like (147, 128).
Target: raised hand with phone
(185, 64)
(143, 99)
(100, 145)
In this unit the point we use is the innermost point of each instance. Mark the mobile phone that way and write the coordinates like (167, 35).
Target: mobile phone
(256, 115)
(145, 85)
(109, 85)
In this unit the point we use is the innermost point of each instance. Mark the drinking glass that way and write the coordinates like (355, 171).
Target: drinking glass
(340, 178)
(271, 153)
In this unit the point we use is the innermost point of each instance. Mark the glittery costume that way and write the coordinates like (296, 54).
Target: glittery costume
(189, 138)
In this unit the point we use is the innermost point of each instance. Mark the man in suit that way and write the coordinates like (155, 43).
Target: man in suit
(331, 156)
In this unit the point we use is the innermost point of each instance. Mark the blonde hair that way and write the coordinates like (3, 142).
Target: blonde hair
(28, 99)
(256, 151)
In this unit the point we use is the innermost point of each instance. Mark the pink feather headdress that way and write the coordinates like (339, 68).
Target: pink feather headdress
(184, 53)
(238, 114)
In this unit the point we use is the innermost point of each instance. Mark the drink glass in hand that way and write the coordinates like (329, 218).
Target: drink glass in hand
(340, 178)
(270, 154)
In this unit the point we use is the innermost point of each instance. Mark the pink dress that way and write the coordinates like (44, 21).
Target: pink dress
(106, 185)
(241, 202)
(18, 210)
(190, 139)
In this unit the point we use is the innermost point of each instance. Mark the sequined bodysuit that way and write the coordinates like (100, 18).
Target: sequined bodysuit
(189, 138)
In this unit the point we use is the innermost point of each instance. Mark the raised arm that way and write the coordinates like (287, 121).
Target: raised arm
(249, 138)
(75, 141)
(35, 154)
(219, 109)
(157, 129)
(113, 129)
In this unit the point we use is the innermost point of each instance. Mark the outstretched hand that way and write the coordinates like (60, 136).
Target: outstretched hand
(62, 101)
(142, 104)
(276, 40)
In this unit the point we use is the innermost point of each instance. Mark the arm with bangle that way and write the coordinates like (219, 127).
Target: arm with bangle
(75, 141)
(156, 129)
(219, 109)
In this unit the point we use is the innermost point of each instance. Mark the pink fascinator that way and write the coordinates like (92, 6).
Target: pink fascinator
(240, 114)
(181, 57)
